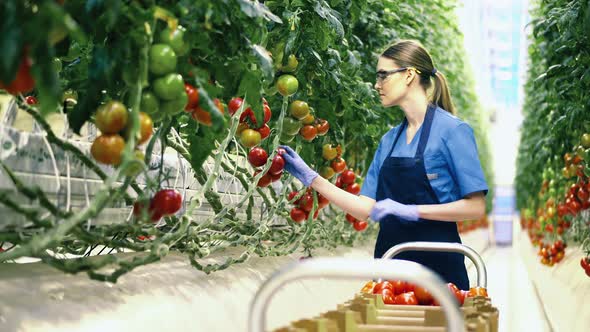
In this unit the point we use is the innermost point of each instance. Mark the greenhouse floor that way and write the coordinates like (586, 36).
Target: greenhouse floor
(513, 291)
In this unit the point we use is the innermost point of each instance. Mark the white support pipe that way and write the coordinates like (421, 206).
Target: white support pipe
(482, 276)
(342, 268)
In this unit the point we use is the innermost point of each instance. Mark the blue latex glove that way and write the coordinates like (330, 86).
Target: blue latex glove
(388, 207)
(297, 167)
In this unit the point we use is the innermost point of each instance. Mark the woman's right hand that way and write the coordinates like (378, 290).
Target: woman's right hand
(297, 167)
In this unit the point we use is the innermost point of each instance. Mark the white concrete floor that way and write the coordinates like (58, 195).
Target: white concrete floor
(512, 292)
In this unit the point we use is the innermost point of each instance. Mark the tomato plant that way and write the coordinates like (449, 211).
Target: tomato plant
(163, 58)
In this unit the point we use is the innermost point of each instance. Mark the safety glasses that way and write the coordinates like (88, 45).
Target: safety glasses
(382, 75)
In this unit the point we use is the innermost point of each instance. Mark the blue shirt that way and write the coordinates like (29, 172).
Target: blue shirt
(451, 159)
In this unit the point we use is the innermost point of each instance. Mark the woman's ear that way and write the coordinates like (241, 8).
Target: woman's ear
(410, 75)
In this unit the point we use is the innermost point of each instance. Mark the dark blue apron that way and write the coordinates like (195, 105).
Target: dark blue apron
(404, 180)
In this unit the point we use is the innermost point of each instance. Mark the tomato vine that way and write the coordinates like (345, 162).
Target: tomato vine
(85, 54)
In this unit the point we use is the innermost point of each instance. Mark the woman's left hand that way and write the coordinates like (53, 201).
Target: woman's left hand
(388, 207)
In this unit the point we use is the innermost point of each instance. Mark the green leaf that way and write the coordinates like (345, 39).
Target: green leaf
(257, 9)
(10, 41)
(327, 13)
(201, 143)
(251, 89)
(265, 61)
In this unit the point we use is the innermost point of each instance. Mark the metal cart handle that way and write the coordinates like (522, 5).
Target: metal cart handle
(482, 275)
(342, 268)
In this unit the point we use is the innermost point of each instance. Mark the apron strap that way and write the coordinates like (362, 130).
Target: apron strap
(399, 132)
(425, 134)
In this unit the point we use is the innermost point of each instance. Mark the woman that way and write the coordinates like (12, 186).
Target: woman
(425, 174)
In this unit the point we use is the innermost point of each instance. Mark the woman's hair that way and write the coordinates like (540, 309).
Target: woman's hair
(409, 53)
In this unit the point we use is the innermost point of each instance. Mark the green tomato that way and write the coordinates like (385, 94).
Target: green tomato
(162, 59)
(292, 64)
(286, 138)
(291, 126)
(176, 105)
(299, 109)
(151, 105)
(169, 86)
(287, 85)
(175, 39)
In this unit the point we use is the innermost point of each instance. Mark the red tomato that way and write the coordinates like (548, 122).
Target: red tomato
(193, 97)
(23, 82)
(354, 189)
(203, 116)
(322, 127)
(276, 177)
(381, 286)
(348, 177)
(406, 299)
(322, 201)
(264, 131)
(399, 287)
(455, 291)
(281, 151)
(306, 202)
(166, 202)
(267, 113)
(360, 225)
(308, 132)
(292, 196)
(234, 104)
(585, 263)
(297, 215)
(278, 163)
(338, 165)
(31, 100)
(338, 182)
(264, 181)
(257, 156)
(138, 210)
(350, 218)
(422, 295)
(409, 287)
(386, 294)
(582, 195)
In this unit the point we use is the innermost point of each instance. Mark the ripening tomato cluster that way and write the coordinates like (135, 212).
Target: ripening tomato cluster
(302, 122)
(194, 108)
(258, 157)
(551, 254)
(167, 94)
(23, 82)
(404, 293)
(165, 202)
(250, 131)
(585, 264)
(347, 181)
(111, 118)
(359, 225)
(334, 164)
(304, 204)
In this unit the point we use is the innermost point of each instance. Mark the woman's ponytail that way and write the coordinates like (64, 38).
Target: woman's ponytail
(441, 96)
